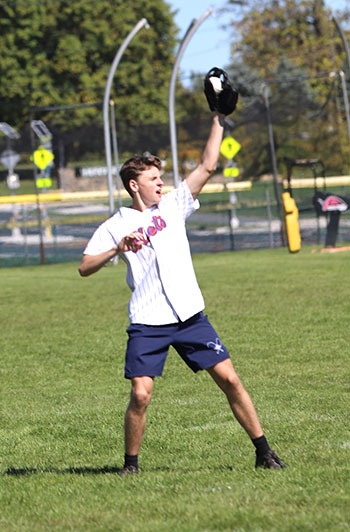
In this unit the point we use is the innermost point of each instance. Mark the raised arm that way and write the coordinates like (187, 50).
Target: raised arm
(222, 99)
(200, 175)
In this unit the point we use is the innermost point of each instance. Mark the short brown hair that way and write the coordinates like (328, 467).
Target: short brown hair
(135, 165)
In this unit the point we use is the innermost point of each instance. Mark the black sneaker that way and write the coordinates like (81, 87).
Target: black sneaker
(128, 470)
(269, 460)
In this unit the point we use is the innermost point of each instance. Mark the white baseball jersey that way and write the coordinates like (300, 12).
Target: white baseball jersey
(160, 275)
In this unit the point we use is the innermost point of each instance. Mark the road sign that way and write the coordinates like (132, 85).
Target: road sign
(40, 129)
(12, 181)
(229, 147)
(94, 171)
(42, 157)
(9, 131)
(231, 171)
(9, 158)
(43, 182)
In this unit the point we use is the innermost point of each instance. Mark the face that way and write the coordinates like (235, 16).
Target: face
(147, 188)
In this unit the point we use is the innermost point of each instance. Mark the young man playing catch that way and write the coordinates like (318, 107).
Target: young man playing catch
(166, 305)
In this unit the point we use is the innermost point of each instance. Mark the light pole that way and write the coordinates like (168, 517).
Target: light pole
(346, 101)
(171, 98)
(343, 38)
(341, 73)
(124, 45)
(115, 152)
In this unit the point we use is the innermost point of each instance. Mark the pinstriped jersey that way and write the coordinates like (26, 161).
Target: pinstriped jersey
(161, 274)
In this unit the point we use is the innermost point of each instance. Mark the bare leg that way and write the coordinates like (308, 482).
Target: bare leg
(241, 404)
(135, 415)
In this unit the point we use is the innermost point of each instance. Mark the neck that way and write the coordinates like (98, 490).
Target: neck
(138, 204)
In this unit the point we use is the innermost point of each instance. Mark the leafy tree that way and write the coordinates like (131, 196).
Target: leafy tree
(300, 29)
(59, 52)
(291, 45)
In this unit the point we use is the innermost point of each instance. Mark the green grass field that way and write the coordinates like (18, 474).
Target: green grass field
(285, 320)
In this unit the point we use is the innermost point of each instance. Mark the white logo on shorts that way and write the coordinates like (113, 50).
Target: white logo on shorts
(217, 346)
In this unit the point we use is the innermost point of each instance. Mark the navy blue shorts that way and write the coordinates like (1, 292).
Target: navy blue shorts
(195, 340)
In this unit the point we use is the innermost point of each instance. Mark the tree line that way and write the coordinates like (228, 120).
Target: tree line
(58, 53)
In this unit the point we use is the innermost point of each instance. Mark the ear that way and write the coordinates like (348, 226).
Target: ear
(133, 185)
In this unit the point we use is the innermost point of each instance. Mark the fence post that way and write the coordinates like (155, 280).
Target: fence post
(273, 159)
(269, 217)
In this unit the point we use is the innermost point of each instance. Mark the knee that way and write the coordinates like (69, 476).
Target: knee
(140, 398)
(232, 385)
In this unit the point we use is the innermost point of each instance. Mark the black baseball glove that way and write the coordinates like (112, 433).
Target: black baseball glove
(224, 98)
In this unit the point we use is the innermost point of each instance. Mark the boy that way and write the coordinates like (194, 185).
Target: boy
(166, 305)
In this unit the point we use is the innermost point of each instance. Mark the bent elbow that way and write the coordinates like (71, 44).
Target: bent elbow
(82, 272)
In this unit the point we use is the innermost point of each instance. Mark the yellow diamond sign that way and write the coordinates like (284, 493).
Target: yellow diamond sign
(42, 157)
(229, 147)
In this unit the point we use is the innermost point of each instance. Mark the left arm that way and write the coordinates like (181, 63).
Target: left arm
(200, 175)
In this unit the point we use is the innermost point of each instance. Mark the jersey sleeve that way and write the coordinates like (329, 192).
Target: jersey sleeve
(102, 240)
(183, 199)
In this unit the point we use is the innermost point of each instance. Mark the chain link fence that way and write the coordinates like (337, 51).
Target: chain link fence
(227, 221)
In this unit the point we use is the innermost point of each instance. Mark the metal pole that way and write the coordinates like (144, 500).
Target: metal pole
(346, 101)
(25, 240)
(139, 25)
(269, 217)
(273, 158)
(115, 152)
(171, 97)
(345, 44)
(232, 237)
(38, 206)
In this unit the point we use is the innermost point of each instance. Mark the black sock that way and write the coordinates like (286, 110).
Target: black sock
(261, 445)
(131, 459)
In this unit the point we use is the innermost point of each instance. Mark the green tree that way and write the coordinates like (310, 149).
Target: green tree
(291, 45)
(59, 52)
(300, 29)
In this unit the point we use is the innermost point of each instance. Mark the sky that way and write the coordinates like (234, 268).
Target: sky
(209, 46)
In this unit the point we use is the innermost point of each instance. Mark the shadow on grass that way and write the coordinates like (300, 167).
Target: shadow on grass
(18, 472)
(105, 470)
